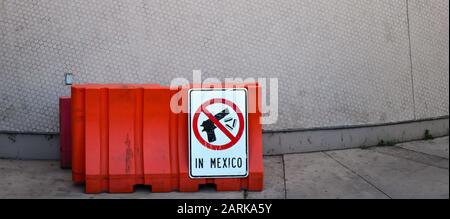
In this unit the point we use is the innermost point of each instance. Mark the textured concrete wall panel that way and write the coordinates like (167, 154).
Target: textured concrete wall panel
(429, 52)
(339, 62)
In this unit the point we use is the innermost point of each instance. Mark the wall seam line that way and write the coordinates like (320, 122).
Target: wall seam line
(357, 174)
(284, 176)
(410, 59)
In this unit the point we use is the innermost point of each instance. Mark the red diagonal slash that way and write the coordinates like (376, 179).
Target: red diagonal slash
(218, 124)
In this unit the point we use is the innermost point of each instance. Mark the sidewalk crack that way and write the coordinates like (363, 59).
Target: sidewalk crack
(413, 160)
(365, 180)
(420, 152)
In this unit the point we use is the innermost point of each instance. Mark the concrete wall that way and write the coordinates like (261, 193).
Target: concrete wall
(339, 62)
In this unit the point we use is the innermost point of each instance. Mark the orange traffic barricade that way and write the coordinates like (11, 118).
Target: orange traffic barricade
(127, 135)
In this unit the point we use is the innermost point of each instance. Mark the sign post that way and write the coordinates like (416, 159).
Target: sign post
(218, 144)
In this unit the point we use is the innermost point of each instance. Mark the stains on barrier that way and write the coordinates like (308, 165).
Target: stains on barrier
(386, 143)
(427, 135)
(365, 141)
(128, 154)
(49, 137)
(12, 137)
(270, 151)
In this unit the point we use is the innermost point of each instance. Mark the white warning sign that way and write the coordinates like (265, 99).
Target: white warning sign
(218, 146)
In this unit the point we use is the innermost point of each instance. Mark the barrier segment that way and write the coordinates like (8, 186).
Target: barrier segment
(256, 167)
(126, 135)
(156, 139)
(65, 133)
(78, 138)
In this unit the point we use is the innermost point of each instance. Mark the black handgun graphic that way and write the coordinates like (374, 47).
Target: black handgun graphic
(208, 125)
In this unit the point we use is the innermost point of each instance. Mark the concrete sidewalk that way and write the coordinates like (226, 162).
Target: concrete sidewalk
(409, 170)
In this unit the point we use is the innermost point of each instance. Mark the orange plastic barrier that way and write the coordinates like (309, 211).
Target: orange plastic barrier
(126, 135)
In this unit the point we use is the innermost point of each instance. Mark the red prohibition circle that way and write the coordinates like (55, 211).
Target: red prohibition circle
(233, 140)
